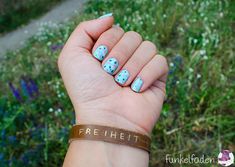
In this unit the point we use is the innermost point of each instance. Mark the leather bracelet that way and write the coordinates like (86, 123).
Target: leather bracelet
(111, 135)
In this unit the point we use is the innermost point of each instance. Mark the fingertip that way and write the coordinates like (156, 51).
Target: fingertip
(94, 28)
(106, 21)
(106, 15)
(97, 26)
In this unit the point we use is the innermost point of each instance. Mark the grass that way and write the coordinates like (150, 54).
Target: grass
(197, 37)
(15, 13)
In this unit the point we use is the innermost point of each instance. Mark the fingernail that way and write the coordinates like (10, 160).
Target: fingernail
(106, 15)
(100, 52)
(137, 84)
(110, 65)
(122, 77)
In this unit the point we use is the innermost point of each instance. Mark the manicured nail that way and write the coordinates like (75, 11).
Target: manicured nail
(137, 84)
(110, 65)
(100, 52)
(122, 77)
(106, 15)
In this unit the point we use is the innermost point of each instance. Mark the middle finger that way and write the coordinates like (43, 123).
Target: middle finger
(121, 52)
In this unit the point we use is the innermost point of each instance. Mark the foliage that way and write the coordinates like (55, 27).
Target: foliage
(198, 39)
(14, 13)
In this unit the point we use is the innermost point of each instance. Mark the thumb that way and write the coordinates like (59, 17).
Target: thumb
(88, 32)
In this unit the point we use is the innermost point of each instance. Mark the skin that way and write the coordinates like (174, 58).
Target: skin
(98, 99)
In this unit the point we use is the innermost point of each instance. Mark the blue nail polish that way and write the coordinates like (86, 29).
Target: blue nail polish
(122, 77)
(137, 84)
(106, 15)
(110, 65)
(100, 52)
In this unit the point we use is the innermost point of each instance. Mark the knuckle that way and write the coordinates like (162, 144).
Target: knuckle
(81, 25)
(150, 45)
(134, 34)
(111, 36)
(108, 36)
(136, 62)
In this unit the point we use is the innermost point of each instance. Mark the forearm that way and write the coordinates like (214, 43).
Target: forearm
(85, 153)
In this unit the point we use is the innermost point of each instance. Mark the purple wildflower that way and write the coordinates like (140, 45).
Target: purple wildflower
(25, 157)
(3, 133)
(24, 87)
(12, 139)
(171, 71)
(15, 92)
(33, 86)
(63, 132)
(56, 47)
(12, 161)
(36, 133)
(27, 88)
(178, 59)
(1, 157)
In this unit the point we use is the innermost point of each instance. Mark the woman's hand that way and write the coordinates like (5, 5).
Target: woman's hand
(113, 78)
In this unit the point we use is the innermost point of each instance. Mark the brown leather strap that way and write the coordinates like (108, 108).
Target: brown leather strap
(110, 134)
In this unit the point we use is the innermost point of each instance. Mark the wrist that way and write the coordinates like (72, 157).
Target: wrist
(99, 153)
(107, 118)
(102, 154)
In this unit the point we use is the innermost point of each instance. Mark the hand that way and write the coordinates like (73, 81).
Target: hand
(103, 93)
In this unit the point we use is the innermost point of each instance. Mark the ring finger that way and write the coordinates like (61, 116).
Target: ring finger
(144, 53)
